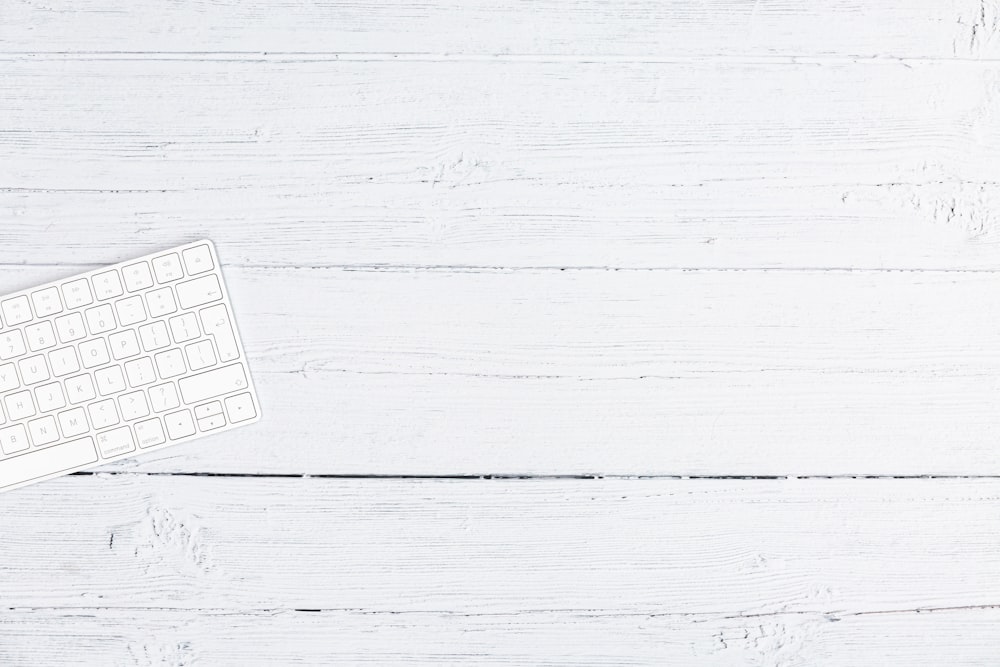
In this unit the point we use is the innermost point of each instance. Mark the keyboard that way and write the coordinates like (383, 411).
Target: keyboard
(115, 362)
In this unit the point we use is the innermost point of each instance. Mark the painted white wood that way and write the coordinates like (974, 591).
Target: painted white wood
(636, 546)
(588, 28)
(609, 372)
(632, 238)
(240, 638)
(188, 571)
(512, 164)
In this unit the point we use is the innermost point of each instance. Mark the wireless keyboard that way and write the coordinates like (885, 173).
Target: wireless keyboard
(111, 363)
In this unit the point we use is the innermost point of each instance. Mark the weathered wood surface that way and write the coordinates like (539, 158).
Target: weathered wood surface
(610, 372)
(522, 164)
(642, 29)
(227, 638)
(195, 570)
(548, 240)
(635, 546)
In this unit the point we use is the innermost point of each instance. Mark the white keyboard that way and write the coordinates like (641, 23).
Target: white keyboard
(108, 364)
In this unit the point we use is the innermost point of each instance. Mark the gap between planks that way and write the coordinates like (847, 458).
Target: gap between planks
(539, 477)
(830, 615)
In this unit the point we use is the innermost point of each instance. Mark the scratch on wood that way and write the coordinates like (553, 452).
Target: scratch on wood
(983, 27)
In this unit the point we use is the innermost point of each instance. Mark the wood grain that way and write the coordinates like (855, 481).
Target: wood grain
(232, 571)
(504, 164)
(591, 28)
(557, 240)
(159, 637)
(634, 547)
(621, 372)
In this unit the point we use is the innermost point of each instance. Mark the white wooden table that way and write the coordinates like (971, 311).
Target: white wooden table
(593, 333)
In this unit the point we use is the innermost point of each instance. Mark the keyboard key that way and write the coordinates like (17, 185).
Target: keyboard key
(149, 433)
(168, 268)
(208, 410)
(124, 344)
(211, 423)
(199, 291)
(130, 311)
(164, 397)
(47, 462)
(8, 378)
(46, 302)
(201, 387)
(154, 336)
(43, 431)
(103, 413)
(240, 408)
(161, 302)
(77, 293)
(200, 355)
(140, 372)
(115, 442)
(184, 328)
(100, 319)
(80, 389)
(179, 424)
(50, 397)
(170, 364)
(94, 353)
(40, 336)
(64, 361)
(16, 311)
(13, 439)
(218, 325)
(110, 380)
(133, 405)
(19, 406)
(11, 345)
(107, 285)
(33, 369)
(137, 277)
(73, 422)
(71, 327)
(198, 260)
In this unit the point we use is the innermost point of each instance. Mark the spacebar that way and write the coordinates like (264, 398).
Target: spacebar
(47, 461)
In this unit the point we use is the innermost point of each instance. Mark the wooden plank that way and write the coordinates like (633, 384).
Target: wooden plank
(504, 164)
(636, 28)
(609, 372)
(176, 638)
(635, 547)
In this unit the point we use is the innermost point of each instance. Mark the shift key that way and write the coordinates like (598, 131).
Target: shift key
(197, 388)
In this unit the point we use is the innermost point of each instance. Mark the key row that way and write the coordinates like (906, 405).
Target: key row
(123, 344)
(94, 353)
(113, 283)
(107, 382)
(110, 380)
(148, 432)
